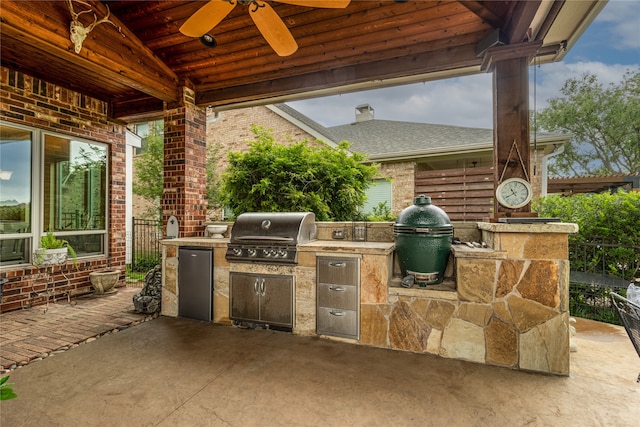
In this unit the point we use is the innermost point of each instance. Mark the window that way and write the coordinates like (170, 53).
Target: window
(15, 195)
(379, 192)
(58, 184)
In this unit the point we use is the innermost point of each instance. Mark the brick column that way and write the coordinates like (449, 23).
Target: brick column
(185, 177)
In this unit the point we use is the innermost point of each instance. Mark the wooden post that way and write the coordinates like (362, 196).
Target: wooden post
(511, 145)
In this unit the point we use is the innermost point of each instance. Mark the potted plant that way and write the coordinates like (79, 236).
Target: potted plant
(53, 251)
(104, 282)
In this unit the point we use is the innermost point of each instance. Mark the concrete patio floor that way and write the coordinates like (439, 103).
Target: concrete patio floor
(182, 372)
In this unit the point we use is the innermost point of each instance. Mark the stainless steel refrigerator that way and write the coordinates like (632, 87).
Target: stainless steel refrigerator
(195, 283)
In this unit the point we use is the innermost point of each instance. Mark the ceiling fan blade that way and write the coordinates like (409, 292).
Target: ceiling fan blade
(325, 4)
(274, 30)
(205, 18)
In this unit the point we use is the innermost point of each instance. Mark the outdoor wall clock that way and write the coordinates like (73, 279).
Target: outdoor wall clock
(514, 193)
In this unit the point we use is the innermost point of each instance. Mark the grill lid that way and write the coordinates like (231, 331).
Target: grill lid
(283, 228)
(423, 218)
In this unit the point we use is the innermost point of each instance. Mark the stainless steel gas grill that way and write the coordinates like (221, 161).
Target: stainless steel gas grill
(270, 237)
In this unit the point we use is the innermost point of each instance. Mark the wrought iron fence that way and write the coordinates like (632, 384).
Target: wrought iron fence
(146, 251)
(597, 269)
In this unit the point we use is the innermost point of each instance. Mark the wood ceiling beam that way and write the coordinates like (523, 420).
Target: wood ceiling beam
(377, 56)
(136, 110)
(483, 12)
(517, 29)
(124, 60)
(418, 64)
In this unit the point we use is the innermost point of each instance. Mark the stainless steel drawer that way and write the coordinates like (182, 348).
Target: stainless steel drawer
(338, 296)
(338, 271)
(339, 322)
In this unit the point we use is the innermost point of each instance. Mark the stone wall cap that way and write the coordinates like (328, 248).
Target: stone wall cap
(209, 242)
(342, 246)
(553, 227)
(463, 251)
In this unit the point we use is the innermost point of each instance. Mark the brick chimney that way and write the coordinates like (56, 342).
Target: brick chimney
(364, 112)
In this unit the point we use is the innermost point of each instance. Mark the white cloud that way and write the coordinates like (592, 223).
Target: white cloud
(468, 101)
(623, 16)
(464, 101)
(551, 77)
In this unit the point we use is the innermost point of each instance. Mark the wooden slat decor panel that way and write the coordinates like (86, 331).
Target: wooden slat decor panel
(464, 194)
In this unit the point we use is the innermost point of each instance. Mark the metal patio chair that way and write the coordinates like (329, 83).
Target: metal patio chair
(629, 312)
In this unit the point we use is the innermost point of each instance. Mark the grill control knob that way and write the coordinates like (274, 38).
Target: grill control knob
(282, 253)
(252, 252)
(237, 251)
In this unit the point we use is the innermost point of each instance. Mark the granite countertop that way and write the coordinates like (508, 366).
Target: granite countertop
(347, 246)
(196, 241)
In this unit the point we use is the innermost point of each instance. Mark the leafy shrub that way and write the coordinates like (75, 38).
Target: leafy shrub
(272, 177)
(382, 212)
(145, 263)
(608, 242)
(610, 217)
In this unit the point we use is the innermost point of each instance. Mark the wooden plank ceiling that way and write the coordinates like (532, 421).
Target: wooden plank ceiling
(144, 64)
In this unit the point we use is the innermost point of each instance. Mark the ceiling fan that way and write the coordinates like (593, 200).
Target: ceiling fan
(266, 19)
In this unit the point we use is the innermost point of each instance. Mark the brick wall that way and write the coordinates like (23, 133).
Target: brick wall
(185, 178)
(29, 101)
(232, 130)
(402, 185)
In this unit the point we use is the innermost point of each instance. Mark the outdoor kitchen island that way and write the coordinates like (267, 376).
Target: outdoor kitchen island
(505, 305)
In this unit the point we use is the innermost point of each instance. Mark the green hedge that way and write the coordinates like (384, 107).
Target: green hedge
(612, 217)
(608, 242)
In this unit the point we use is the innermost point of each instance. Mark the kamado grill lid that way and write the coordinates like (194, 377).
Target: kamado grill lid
(422, 217)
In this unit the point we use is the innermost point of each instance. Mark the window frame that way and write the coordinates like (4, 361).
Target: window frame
(32, 239)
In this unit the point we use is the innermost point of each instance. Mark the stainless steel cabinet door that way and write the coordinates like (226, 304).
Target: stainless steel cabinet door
(261, 298)
(338, 297)
(338, 271)
(245, 296)
(342, 323)
(277, 300)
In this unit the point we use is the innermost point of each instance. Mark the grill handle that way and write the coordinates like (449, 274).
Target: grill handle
(263, 239)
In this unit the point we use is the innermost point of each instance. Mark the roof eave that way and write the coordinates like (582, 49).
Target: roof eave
(542, 141)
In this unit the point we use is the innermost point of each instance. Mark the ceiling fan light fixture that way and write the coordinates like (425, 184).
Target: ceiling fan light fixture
(269, 23)
(208, 41)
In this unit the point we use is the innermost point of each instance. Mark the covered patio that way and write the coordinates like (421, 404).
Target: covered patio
(139, 66)
(182, 372)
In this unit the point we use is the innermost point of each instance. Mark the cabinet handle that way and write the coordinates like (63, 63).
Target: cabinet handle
(337, 288)
(255, 286)
(337, 264)
(262, 289)
(337, 313)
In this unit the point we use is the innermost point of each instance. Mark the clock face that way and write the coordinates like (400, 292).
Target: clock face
(514, 193)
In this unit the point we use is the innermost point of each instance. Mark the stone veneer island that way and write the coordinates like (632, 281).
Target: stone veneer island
(505, 305)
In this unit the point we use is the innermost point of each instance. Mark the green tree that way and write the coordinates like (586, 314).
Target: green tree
(149, 170)
(273, 177)
(604, 122)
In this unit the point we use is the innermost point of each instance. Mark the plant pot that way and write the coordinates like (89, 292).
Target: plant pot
(216, 231)
(104, 282)
(46, 257)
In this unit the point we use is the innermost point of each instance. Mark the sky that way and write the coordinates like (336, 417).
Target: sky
(608, 48)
